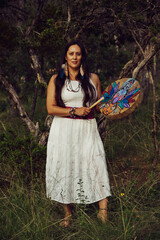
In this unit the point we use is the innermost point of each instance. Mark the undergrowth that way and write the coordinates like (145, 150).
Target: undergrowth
(26, 213)
(134, 207)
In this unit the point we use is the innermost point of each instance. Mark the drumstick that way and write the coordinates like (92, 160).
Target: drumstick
(94, 104)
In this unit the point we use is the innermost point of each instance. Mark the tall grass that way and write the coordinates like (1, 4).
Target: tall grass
(134, 207)
(131, 136)
(26, 213)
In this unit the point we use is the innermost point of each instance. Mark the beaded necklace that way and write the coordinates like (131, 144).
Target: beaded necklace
(70, 88)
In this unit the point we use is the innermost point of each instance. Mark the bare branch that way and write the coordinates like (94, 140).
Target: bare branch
(149, 52)
(68, 21)
(142, 57)
(37, 67)
(155, 133)
(34, 129)
(84, 26)
(34, 21)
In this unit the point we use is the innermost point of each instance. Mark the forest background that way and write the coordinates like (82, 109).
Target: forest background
(122, 40)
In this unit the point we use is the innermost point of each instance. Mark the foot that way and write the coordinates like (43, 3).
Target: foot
(102, 215)
(66, 220)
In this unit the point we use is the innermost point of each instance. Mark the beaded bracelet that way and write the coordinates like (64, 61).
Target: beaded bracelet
(72, 111)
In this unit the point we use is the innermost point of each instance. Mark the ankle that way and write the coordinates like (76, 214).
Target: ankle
(102, 210)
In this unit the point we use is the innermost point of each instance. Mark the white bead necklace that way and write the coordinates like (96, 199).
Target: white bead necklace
(70, 87)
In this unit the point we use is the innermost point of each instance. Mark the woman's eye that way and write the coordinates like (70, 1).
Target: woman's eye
(72, 53)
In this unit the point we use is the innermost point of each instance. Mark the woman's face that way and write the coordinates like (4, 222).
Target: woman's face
(74, 56)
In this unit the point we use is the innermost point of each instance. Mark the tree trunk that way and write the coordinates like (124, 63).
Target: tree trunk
(67, 36)
(116, 43)
(37, 67)
(35, 60)
(44, 135)
(102, 124)
(149, 53)
(34, 102)
(145, 83)
(155, 132)
(134, 66)
(34, 129)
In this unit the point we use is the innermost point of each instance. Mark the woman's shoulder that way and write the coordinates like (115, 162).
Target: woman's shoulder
(95, 79)
(93, 75)
(52, 79)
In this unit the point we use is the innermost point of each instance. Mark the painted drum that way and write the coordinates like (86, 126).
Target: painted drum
(121, 98)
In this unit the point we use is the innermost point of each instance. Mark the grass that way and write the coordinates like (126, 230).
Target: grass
(26, 213)
(131, 136)
(134, 207)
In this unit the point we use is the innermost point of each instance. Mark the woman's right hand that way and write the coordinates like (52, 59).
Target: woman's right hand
(82, 111)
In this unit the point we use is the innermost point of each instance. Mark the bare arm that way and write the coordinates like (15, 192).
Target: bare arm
(52, 107)
(97, 83)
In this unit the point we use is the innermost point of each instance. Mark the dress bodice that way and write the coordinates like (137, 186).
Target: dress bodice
(74, 98)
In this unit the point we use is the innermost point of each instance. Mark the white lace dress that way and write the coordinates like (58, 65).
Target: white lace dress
(76, 170)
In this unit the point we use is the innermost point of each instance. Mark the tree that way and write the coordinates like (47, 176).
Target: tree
(39, 29)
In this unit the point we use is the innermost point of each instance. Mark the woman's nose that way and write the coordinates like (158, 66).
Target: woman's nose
(75, 56)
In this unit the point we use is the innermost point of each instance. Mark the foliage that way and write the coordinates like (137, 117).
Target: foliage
(26, 213)
(19, 154)
(131, 136)
(96, 26)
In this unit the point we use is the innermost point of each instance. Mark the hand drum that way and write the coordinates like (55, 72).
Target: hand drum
(121, 98)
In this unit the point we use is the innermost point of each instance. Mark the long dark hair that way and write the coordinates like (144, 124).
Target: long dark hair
(89, 90)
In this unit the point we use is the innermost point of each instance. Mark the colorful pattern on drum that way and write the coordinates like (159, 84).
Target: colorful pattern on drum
(119, 97)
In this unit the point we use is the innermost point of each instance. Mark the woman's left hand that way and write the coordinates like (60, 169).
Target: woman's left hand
(82, 111)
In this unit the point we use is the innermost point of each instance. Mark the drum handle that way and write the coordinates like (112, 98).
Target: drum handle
(102, 98)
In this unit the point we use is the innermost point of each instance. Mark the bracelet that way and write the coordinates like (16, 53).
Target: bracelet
(72, 111)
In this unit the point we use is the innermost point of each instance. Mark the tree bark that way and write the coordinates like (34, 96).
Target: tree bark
(145, 84)
(155, 132)
(35, 60)
(102, 124)
(44, 135)
(34, 21)
(67, 36)
(37, 67)
(34, 129)
(134, 65)
(34, 102)
(149, 53)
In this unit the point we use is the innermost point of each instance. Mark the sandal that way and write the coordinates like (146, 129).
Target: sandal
(102, 216)
(66, 221)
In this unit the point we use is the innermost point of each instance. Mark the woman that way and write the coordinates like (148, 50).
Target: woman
(76, 170)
